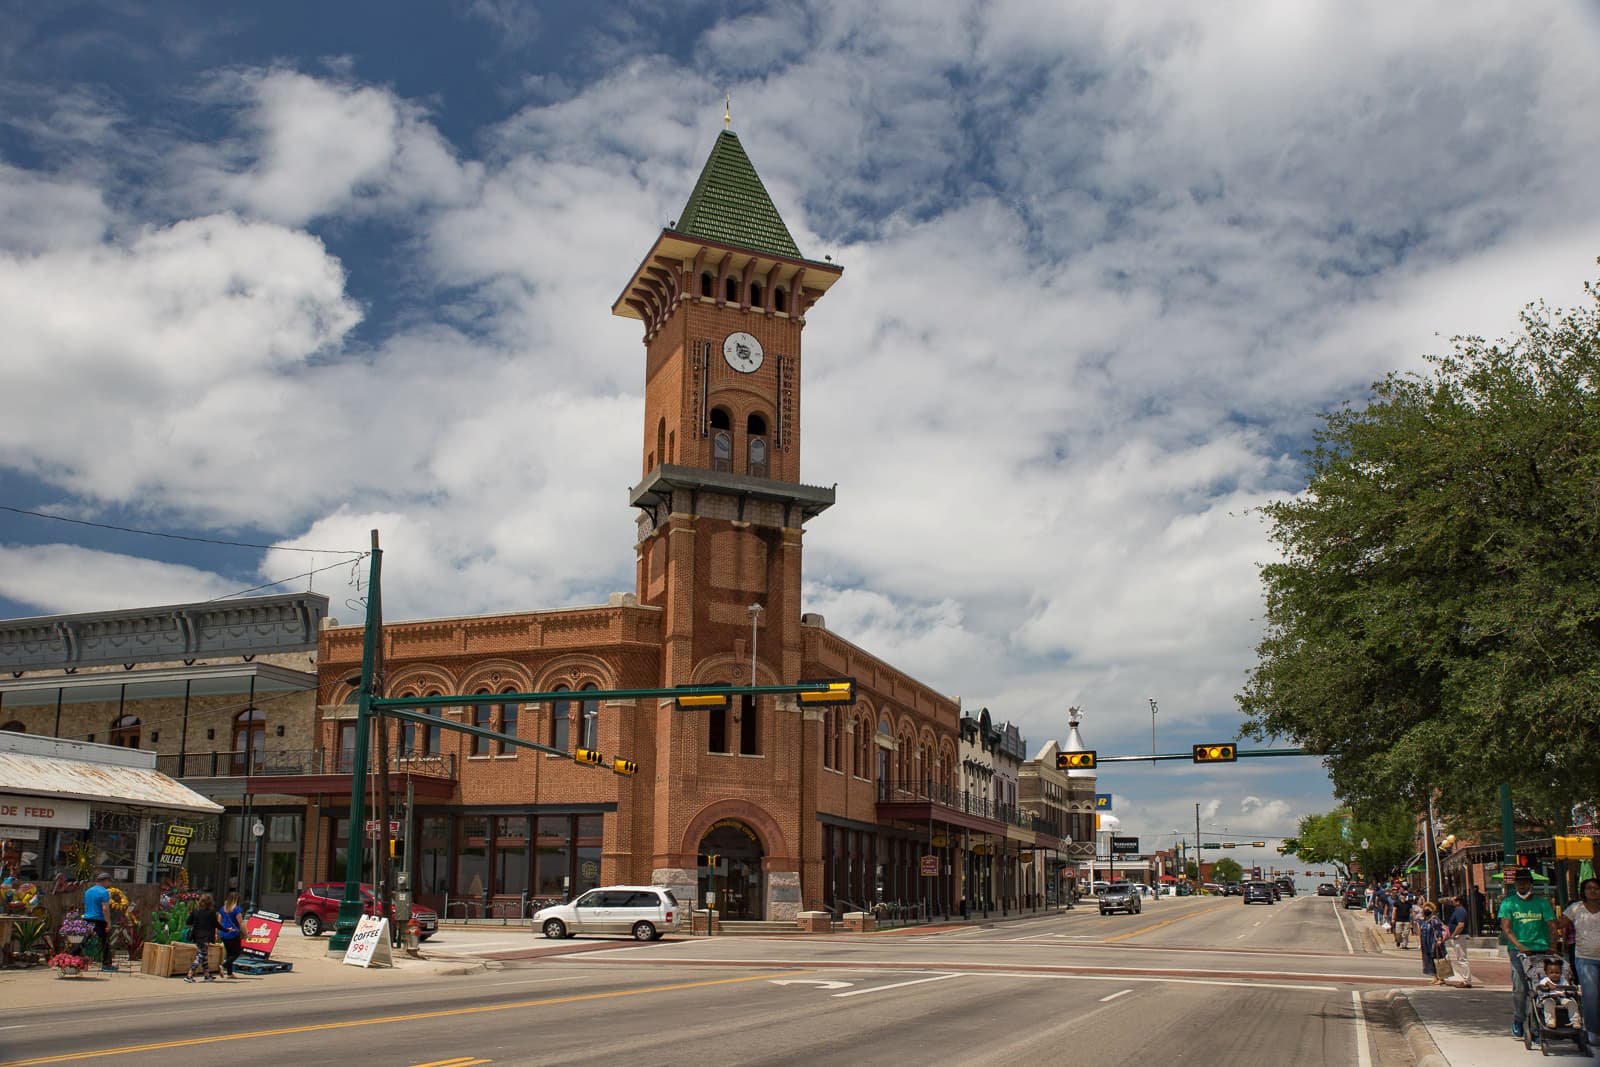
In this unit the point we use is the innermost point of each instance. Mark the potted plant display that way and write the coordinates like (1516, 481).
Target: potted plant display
(69, 964)
(74, 928)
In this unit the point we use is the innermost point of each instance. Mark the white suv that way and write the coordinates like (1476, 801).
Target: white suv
(644, 912)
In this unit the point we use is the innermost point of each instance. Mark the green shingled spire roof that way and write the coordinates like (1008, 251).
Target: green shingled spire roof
(730, 205)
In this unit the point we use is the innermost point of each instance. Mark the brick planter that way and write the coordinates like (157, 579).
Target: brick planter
(859, 922)
(814, 922)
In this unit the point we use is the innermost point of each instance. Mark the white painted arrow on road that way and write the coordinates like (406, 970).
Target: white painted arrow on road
(822, 982)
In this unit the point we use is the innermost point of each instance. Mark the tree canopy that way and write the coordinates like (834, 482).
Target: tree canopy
(1334, 838)
(1227, 869)
(1433, 622)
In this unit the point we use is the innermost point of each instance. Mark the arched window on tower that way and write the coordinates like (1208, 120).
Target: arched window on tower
(780, 300)
(755, 294)
(508, 725)
(707, 283)
(661, 443)
(717, 728)
(730, 290)
(560, 721)
(721, 440)
(125, 732)
(756, 434)
(749, 727)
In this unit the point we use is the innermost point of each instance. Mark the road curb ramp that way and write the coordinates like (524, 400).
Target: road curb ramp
(1424, 1053)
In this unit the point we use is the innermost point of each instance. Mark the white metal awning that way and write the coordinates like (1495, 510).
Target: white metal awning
(74, 779)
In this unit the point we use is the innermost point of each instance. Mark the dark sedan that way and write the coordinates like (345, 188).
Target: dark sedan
(1258, 892)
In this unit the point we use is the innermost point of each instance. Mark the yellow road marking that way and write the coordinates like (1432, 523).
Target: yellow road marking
(1146, 929)
(386, 1019)
(454, 1061)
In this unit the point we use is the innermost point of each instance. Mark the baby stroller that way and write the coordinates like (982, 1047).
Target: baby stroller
(1552, 1014)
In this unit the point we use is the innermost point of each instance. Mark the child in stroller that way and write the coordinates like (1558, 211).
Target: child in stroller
(1554, 993)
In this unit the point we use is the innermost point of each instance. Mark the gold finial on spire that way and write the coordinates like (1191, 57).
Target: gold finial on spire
(727, 111)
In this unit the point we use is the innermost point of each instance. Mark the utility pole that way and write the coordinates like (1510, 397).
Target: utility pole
(1199, 856)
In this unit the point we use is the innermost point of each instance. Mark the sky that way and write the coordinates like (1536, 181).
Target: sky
(282, 275)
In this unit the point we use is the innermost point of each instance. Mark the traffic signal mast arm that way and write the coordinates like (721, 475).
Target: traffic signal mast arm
(476, 731)
(1188, 757)
(838, 690)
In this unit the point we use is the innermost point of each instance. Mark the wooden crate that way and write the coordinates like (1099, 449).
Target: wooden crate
(156, 959)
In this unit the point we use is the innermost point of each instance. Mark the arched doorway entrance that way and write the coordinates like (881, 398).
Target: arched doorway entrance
(730, 865)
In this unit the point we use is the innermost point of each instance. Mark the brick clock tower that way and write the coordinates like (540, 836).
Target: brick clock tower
(723, 294)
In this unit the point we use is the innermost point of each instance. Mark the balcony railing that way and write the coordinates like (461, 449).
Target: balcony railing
(892, 791)
(296, 762)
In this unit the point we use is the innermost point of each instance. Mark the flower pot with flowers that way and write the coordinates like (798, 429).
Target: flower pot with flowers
(69, 964)
(73, 929)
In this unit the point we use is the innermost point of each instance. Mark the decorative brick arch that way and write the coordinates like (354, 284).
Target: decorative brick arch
(713, 669)
(774, 847)
(424, 679)
(575, 670)
(497, 675)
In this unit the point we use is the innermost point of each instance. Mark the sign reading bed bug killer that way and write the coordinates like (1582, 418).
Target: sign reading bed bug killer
(261, 932)
(177, 845)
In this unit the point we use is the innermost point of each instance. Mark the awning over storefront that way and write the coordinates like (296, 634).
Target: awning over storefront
(66, 770)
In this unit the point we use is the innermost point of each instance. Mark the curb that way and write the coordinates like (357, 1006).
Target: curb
(1424, 1053)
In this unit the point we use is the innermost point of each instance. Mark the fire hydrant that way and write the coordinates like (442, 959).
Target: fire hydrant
(413, 937)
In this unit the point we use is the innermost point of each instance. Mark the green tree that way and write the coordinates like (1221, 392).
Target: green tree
(1227, 869)
(1329, 839)
(1191, 870)
(1433, 622)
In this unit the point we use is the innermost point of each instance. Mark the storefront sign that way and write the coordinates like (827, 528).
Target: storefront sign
(43, 811)
(1124, 846)
(177, 846)
(1102, 802)
(261, 932)
(930, 866)
(370, 943)
(375, 828)
(734, 824)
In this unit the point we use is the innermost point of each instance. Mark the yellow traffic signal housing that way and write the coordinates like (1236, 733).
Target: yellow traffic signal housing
(587, 756)
(702, 701)
(829, 691)
(1258, 844)
(1215, 753)
(625, 767)
(1075, 761)
(1574, 848)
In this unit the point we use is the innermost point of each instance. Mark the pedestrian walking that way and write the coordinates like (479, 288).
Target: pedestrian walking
(1529, 925)
(1584, 916)
(1457, 924)
(203, 922)
(1403, 907)
(1431, 936)
(97, 913)
(230, 930)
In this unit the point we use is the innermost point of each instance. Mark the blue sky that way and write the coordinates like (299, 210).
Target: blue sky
(280, 278)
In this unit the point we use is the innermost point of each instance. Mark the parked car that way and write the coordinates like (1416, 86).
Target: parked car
(1258, 892)
(1121, 897)
(643, 912)
(1355, 897)
(317, 910)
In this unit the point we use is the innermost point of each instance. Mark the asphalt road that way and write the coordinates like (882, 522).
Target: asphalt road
(1190, 981)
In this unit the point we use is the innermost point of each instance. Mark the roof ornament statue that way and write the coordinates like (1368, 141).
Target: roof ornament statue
(727, 111)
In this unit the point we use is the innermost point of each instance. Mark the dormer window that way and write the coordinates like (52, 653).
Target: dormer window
(756, 438)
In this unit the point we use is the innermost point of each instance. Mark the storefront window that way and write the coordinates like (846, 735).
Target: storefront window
(554, 855)
(511, 855)
(281, 870)
(283, 828)
(433, 855)
(588, 870)
(472, 857)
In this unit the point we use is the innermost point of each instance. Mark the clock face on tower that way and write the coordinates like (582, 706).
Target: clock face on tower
(742, 352)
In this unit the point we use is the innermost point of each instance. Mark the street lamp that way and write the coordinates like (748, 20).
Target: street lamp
(755, 617)
(1152, 730)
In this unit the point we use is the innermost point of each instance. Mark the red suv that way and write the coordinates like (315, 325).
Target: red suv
(318, 909)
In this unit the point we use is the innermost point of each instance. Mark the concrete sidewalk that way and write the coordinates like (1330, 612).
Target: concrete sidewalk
(313, 969)
(1467, 1028)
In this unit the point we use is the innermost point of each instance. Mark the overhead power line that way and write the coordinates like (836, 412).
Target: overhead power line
(182, 537)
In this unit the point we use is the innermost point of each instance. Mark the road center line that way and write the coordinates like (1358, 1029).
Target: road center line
(896, 985)
(1114, 996)
(384, 1020)
(1159, 925)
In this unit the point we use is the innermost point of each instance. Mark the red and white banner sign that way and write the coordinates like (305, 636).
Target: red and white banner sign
(261, 932)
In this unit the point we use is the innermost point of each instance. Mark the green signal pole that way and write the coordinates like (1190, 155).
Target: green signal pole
(352, 906)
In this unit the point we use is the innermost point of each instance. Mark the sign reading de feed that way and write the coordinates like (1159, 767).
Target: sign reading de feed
(43, 811)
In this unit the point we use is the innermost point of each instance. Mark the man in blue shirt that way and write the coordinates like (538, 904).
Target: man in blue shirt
(96, 911)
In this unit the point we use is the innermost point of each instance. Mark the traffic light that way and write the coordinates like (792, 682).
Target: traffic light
(587, 756)
(828, 691)
(625, 767)
(1215, 753)
(1075, 761)
(1258, 844)
(691, 701)
(1524, 860)
(1574, 848)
